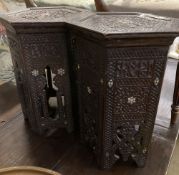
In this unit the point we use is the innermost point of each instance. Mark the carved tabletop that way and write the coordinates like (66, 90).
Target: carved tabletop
(128, 23)
(102, 23)
(44, 15)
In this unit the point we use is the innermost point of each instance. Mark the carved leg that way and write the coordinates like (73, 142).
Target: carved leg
(141, 163)
(100, 6)
(175, 106)
(139, 159)
(30, 3)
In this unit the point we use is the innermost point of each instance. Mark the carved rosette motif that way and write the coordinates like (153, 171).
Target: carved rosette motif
(127, 99)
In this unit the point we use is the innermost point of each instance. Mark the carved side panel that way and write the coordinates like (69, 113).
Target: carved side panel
(21, 81)
(89, 65)
(45, 58)
(134, 77)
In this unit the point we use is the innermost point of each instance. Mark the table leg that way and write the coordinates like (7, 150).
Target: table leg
(175, 106)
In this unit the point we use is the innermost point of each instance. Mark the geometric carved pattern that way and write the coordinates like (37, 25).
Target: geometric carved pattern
(41, 65)
(133, 105)
(128, 23)
(50, 89)
(130, 100)
(126, 127)
(44, 59)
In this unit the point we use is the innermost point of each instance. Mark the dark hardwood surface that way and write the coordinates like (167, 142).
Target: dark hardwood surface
(175, 105)
(64, 153)
(9, 102)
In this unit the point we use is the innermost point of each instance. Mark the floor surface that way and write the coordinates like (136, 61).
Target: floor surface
(174, 165)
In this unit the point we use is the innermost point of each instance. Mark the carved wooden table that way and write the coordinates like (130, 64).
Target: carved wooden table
(120, 61)
(119, 85)
(39, 53)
